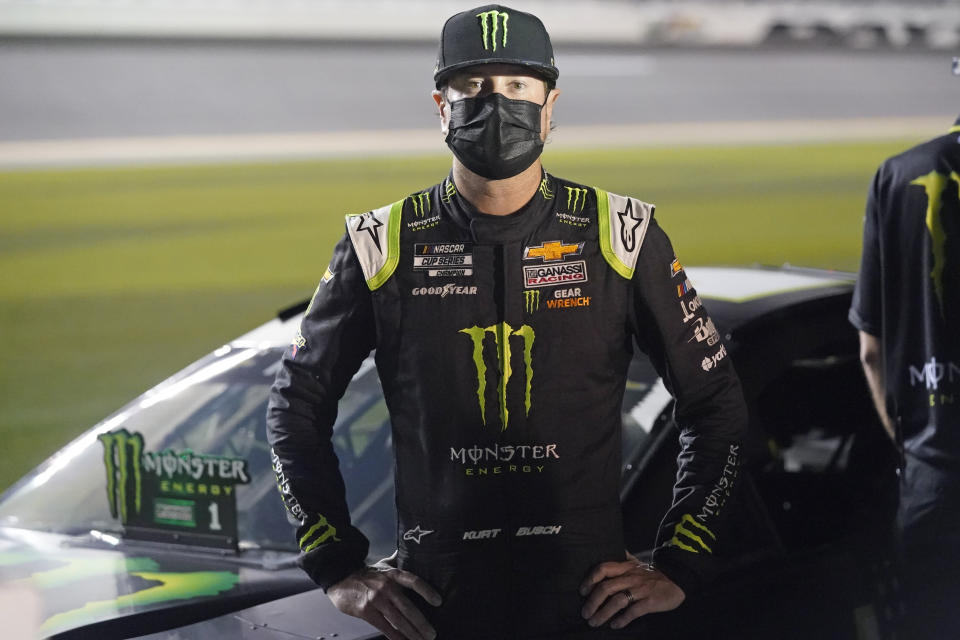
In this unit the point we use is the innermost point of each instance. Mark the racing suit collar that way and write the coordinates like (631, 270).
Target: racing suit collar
(487, 228)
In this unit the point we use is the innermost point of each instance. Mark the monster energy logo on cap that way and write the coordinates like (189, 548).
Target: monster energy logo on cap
(501, 332)
(489, 24)
(494, 34)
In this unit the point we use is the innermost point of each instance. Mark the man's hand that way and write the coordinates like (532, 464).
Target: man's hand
(631, 588)
(377, 594)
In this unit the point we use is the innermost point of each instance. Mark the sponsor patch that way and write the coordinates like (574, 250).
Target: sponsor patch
(705, 331)
(675, 267)
(552, 251)
(424, 223)
(579, 222)
(684, 288)
(298, 343)
(689, 308)
(710, 362)
(448, 259)
(547, 275)
(443, 291)
(327, 276)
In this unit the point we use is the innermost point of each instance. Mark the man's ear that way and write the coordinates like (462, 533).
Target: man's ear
(441, 104)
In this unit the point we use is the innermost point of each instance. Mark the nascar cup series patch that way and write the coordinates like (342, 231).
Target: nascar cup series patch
(449, 259)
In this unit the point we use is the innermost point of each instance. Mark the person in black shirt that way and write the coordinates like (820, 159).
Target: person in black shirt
(906, 306)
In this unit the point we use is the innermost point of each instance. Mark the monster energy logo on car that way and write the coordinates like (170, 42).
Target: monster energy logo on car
(532, 300)
(122, 452)
(167, 490)
(576, 199)
(421, 203)
(501, 332)
(490, 23)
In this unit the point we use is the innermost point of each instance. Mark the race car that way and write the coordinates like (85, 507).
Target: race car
(164, 519)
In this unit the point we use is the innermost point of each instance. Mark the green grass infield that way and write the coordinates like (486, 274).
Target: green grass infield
(115, 278)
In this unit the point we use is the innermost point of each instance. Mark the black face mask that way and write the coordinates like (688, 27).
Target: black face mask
(494, 136)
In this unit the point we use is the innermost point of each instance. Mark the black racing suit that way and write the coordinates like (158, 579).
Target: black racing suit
(502, 343)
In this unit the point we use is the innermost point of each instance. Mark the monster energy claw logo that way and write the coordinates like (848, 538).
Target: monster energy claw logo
(490, 23)
(421, 203)
(448, 192)
(121, 456)
(532, 300)
(502, 332)
(695, 535)
(545, 189)
(935, 185)
(576, 199)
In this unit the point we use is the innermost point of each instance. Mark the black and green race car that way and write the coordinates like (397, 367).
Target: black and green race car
(164, 519)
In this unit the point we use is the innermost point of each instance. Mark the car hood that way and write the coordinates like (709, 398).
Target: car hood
(305, 615)
(65, 586)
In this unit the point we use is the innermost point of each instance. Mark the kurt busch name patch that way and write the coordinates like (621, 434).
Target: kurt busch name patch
(547, 275)
(444, 260)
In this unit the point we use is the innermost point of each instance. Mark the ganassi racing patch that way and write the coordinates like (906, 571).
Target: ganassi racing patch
(448, 259)
(547, 275)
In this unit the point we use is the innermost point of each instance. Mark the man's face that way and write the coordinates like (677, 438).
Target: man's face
(512, 81)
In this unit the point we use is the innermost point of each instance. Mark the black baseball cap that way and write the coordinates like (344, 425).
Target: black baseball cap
(494, 33)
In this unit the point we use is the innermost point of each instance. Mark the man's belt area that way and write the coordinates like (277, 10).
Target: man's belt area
(569, 542)
(511, 576)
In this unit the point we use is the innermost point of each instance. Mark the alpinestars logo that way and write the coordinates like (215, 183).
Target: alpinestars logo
(502, 334)
(576, 199)
(629, 221)
(372, 226)
(491, 24)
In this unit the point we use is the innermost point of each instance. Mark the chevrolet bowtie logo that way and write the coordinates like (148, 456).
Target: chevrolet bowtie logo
(552, 251)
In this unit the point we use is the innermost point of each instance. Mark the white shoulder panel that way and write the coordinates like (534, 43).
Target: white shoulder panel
(375, 238)
(623, 225)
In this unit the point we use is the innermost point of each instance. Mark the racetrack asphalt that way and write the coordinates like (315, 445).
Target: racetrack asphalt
(113, 101)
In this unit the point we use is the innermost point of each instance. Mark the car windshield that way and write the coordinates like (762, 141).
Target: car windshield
(212, 414)
(213, 409)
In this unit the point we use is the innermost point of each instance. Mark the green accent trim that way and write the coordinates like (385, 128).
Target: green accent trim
(606, 247)
(954, 129)
(393, 248)
(168, 587)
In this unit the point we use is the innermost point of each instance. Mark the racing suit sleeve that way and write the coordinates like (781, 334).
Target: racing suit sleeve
(336, 334)
(673, 328)
(865, 308)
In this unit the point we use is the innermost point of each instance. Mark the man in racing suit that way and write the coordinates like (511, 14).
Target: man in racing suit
(503, 304)
(907, 308)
